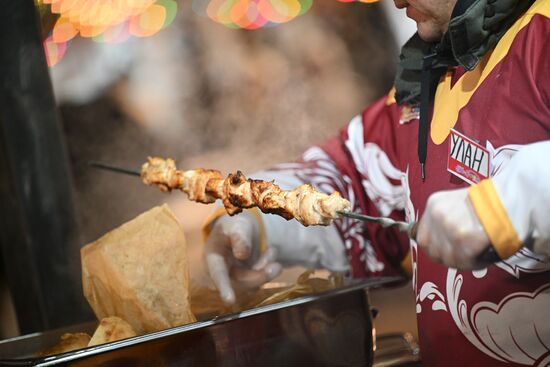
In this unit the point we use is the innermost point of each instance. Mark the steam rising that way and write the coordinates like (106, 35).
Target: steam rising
(213, 97)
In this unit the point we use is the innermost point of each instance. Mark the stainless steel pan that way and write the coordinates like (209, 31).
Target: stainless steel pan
(326, 330)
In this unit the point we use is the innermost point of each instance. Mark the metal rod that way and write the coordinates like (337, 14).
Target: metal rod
(486, 257)
(409, 228)
(112, 168)
(363, 217)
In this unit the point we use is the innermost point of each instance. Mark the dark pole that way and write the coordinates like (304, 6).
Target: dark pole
(38, 234)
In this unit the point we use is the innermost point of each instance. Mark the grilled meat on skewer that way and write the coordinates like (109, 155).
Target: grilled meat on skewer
(304, 203)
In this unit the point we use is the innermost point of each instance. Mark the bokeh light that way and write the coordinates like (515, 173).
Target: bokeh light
(110, 21)
(54, 51)
(114, 21)
(254, 14)
(251, 14)
(358, 1)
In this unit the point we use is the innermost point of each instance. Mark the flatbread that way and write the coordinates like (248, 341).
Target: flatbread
(111, 329)
(139, 272)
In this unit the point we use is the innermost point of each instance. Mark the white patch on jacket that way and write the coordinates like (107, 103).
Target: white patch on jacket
(376, 171)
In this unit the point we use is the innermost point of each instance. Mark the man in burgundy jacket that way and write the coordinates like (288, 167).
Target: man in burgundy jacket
(462, 143)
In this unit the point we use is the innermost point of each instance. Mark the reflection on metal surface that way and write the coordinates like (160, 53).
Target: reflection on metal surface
(331, 336)
(396, 350)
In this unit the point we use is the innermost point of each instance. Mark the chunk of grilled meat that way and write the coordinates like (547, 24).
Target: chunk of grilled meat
(304, 203)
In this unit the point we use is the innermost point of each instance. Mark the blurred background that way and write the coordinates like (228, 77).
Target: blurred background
(211, 90)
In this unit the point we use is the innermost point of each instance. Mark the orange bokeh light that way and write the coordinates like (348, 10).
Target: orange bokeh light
(253, 14)
(115, 21)
(106, 20)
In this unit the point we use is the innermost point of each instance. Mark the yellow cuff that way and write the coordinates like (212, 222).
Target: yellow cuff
(494, 218)
(406, 264)
(390, 98)
(207, 226)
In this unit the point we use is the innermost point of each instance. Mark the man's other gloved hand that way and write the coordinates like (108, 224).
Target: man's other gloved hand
(232, 253)
(450, 231)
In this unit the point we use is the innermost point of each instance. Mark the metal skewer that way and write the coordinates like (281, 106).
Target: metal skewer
(486, 257)
(109, 167)
(409, 228)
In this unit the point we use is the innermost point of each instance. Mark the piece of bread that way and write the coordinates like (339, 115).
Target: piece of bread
(139, 272)
(111, 329)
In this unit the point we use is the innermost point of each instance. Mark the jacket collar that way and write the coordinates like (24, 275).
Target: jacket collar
(475, 28)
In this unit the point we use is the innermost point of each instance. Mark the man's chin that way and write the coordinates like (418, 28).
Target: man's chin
(428, 32)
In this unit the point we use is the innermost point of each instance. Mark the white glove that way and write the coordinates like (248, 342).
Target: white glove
(450, 231)
(232, 253)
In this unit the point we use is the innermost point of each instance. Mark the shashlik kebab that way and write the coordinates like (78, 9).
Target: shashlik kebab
(304, 203)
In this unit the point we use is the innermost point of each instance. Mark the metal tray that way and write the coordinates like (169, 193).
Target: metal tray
(326, 330)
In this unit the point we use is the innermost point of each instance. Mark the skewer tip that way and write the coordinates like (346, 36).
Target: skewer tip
(108, 167)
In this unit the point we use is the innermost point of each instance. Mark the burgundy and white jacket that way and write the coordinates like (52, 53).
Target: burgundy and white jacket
(494, 317)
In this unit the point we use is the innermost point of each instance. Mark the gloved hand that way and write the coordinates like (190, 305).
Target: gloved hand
(450, 231)
(232, 253)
